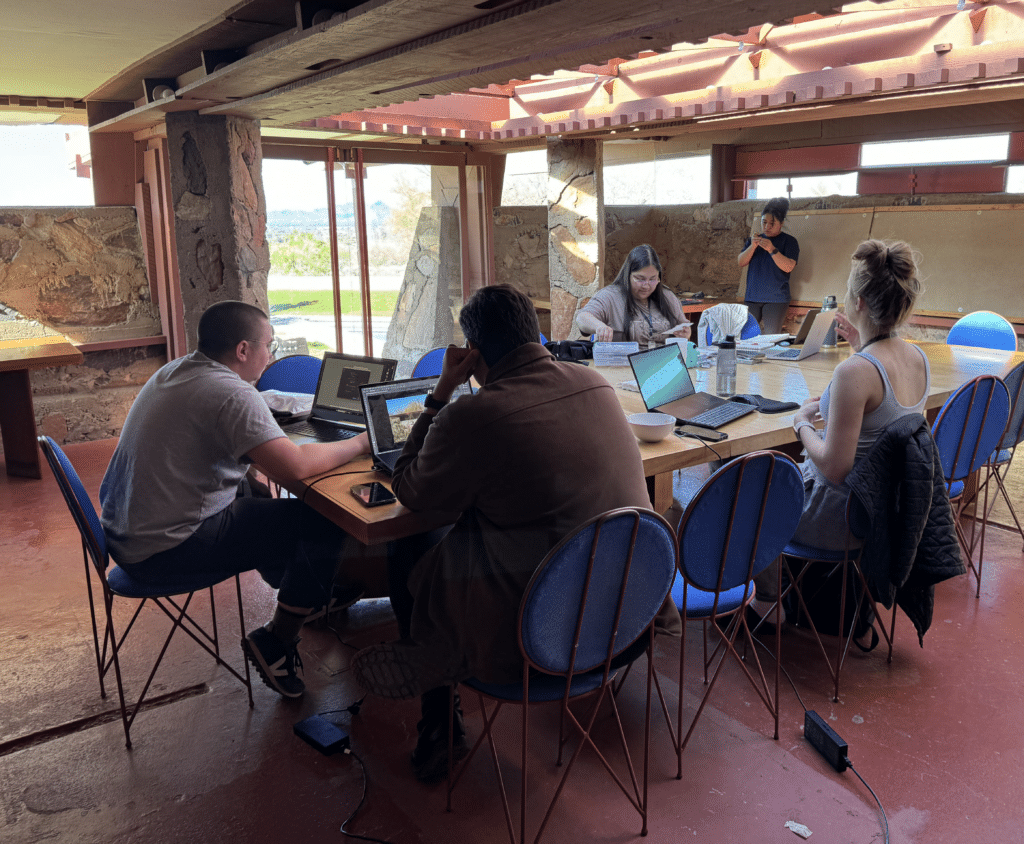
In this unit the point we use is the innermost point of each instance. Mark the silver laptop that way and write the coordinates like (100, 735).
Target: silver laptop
(666, 387)
(391, 409)
(337, 411)
(812, 344)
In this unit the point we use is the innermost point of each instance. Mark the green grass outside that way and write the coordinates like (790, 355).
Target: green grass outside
(321, 302)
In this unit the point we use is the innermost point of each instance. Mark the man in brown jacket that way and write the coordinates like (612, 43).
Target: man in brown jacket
(540, 448)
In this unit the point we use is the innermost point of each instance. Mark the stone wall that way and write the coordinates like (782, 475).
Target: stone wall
(521, 253)
(79, 272)
(426, 314)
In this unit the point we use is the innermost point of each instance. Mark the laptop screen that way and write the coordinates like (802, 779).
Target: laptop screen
(661, 375)
(392, 409)
(341, 376)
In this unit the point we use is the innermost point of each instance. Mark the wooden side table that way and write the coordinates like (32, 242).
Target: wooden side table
(17, 417)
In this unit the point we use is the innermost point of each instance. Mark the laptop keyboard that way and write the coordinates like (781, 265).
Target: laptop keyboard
(323, 432)
(786, 353)
(721, 414)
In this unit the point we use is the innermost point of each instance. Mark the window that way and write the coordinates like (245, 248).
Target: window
(935, 151)
(836, 184)
(44, 165)
(526, 178)
(681, 180)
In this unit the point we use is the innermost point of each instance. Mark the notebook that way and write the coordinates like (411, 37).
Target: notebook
(337, 411)
(666, 387)
(812, 344)
(391, 409)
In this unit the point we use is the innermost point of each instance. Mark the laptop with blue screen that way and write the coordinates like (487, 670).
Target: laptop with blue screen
(666, 387)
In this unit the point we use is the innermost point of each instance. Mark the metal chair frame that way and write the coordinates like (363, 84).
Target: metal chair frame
(575, 683)
(981, 453)
(997, 469)
(97, 562)
(734, 619)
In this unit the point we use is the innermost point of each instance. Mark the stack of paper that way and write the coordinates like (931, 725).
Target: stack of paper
(614, 354)
(761, 342)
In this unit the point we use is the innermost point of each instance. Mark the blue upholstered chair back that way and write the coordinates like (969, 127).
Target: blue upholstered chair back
(970, 425)
(1015, 387)
(607, 579)
(429, 364)
(291, 374)
(78, 502)
(740, 520)
(985, 330)
(751, 328)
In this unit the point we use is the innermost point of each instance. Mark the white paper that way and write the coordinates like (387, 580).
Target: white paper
(799, 829)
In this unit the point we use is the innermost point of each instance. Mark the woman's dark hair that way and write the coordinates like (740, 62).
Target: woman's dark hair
(224, 325)
(638, 258)
(884, 275)
(777, 208)
(498, 320)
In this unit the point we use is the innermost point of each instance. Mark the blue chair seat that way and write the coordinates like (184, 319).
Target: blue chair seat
(1002, 455)
(700, 603)
(123, 584)
(955, 489)
(809, 552)
(543, 687)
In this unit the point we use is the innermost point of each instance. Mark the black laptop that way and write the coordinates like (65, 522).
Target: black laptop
(666, 387)
(337, 411)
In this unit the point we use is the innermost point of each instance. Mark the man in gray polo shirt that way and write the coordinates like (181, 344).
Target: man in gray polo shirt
(170, 496)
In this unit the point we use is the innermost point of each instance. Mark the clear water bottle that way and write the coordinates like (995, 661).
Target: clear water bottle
(725, 371)
(829, 304)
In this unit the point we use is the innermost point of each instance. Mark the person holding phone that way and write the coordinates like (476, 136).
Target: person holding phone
(636, 306)
(509, 460)
(770, 257)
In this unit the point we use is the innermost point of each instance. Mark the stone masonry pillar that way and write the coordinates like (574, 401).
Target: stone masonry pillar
(575, 229)
(220, 212)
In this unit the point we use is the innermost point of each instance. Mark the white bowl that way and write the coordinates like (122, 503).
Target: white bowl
(651, 427)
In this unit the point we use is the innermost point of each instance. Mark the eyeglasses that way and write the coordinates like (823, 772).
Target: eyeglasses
(273, 346)
(639, 279)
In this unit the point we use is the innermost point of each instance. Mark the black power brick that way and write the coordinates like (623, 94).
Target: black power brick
(826, 741)
(320, 733)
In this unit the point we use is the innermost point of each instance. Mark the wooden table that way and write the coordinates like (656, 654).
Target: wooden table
(951, 366)
(17, 417)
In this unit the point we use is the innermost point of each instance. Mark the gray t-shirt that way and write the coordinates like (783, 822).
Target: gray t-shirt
(181, 455)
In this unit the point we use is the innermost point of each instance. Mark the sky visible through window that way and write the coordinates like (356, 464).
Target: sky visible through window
(38, 166)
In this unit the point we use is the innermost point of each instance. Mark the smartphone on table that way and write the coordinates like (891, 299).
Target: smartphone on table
(700, 432)
(373, 494)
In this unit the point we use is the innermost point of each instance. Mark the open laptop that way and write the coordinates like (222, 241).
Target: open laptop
(337, 411)
(823, 321)
(805, 326)
(391, 409)
(666, 387)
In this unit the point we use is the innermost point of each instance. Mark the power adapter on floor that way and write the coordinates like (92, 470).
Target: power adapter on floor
(826, 741)
(320, 733)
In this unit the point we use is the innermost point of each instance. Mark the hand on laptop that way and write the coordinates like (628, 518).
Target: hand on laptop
(845, 329)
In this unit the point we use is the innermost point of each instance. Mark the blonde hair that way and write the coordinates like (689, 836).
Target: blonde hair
(884, 275)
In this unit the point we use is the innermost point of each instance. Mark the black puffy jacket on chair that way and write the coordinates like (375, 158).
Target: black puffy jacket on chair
(911, 543)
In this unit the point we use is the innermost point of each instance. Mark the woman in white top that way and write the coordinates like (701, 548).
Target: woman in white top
(887, 378)
(636, 306)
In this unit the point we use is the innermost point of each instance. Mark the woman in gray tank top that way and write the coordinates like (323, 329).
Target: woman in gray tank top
(887, 378)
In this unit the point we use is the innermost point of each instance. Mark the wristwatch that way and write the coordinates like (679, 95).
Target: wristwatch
(433, 404)
(774, 251)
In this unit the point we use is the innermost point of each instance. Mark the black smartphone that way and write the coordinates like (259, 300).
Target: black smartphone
(373, 494)
(709, 434)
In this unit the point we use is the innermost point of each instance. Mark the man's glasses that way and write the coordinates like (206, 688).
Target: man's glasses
(273, 346)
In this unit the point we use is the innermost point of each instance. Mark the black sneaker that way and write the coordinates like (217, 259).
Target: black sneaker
(343, 596)
(275, 661)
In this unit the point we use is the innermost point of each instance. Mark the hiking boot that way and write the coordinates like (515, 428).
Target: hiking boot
(277, 662)
(430, 758)
(343, 596)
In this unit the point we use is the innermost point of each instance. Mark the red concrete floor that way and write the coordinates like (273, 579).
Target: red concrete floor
(935, 733)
